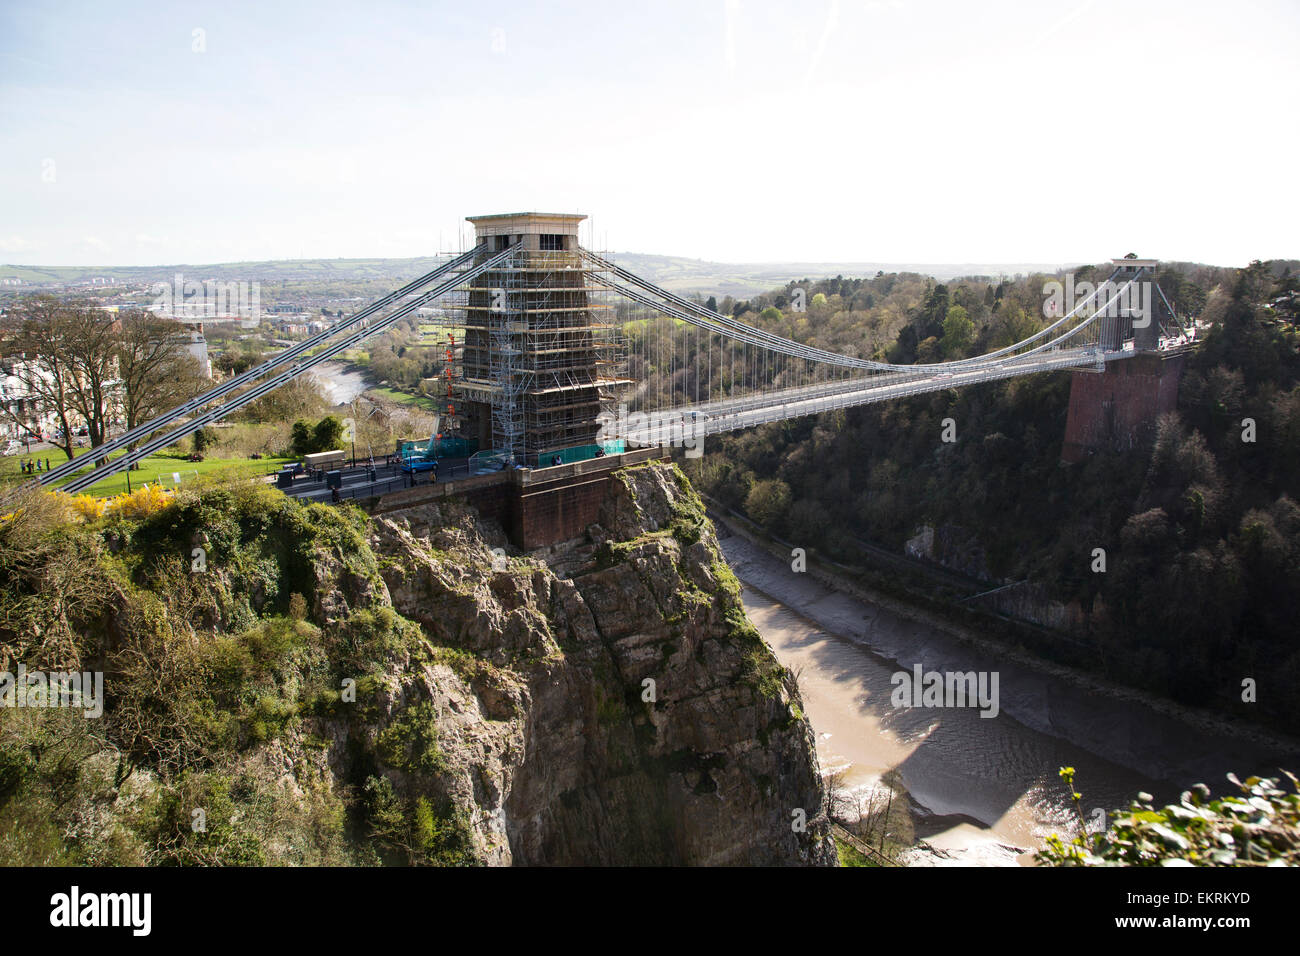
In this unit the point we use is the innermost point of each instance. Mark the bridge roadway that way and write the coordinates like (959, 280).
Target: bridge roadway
(356, 481)
(690, 422)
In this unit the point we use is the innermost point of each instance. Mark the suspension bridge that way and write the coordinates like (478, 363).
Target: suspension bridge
(554, 351)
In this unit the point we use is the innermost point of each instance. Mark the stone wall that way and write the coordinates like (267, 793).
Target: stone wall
(1118, 408)
(537, 507)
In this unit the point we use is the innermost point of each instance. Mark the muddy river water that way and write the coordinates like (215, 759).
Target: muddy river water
(341, 383)
(985, 790)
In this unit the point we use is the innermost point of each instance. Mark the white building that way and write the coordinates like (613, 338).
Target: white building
(23, 415)
(196, 344)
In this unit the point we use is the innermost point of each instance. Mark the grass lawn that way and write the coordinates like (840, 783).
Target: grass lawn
(154, 469)
(404, 398)
(441, 331)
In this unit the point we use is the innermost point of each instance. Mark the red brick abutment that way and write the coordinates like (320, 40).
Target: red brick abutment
(1118, 408)
(537, 507)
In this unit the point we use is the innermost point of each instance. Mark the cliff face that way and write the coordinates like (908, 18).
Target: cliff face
(610, 705)
(333, 688)
(958, 549)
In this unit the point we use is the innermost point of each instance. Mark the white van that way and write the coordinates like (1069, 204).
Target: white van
(13, 447)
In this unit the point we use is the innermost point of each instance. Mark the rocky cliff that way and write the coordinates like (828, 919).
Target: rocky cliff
(321, 686)
(608, 705)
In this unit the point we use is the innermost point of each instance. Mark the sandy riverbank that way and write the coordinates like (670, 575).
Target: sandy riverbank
(985, 787)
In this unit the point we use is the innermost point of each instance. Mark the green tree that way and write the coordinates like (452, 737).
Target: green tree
(768, 501)
(1012, 326)
(154, 368)
(929, 351)
(958, 331)
(325, 435)
(328, 434)
(301, 438)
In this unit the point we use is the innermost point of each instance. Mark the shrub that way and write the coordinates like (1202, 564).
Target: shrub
(1261, 827)
(301, 441)
(88, 507)
(143, 502)
(325, 435)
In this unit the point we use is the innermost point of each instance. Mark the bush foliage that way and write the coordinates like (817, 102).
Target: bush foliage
(1258, 826)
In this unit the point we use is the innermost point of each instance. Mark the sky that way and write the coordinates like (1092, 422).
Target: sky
(919, 131)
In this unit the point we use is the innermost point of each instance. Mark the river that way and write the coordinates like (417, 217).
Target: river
(340, 382)
(984, 790)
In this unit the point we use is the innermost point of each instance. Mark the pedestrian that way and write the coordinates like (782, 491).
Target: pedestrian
(335, 496)
(38, 464)
(47, 464)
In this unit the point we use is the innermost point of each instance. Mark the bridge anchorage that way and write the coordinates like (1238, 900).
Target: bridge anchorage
(556, 354)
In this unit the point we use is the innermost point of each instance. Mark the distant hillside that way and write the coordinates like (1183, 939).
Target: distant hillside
(742, 280)
(672, 272)
(270, 270)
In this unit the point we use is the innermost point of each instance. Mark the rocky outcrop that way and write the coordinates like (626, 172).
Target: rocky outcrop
(951, 547)
(609, 705)
(332, 687)
(957, 549)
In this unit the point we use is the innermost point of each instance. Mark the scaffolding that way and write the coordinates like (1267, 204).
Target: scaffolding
(543, 359)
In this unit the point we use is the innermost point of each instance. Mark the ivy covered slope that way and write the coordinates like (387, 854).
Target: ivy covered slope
(313, 686)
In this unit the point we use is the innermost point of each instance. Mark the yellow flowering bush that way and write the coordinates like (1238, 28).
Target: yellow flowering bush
(142, 502)
(88, 507)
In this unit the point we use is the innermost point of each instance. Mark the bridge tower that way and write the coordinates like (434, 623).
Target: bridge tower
(1145, 335)
(1118, 407)
(542, 355)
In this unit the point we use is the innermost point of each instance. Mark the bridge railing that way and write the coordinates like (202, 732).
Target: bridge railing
(671, 426)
